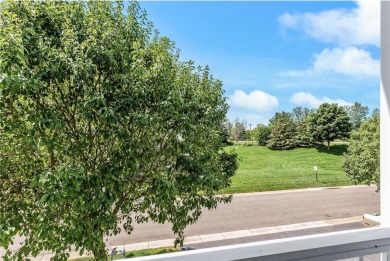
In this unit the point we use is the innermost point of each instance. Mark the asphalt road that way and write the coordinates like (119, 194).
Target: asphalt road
(257, 210)
(264, 209)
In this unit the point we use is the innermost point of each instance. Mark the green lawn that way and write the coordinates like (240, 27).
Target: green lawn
(137, 253)
(262, 169)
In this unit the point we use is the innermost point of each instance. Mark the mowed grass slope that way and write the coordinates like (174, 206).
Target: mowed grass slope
(262, 169)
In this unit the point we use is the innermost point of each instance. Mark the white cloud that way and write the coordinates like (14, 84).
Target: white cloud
(293, 73)
(251, 119)
(309, 100)
(345, 27)
(348, 61)
(289, 20)
(257, 100)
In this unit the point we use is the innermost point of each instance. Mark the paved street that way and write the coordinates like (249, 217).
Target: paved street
(263, 216)
(267, 209)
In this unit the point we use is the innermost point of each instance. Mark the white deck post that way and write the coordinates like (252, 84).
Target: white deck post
(385, 114)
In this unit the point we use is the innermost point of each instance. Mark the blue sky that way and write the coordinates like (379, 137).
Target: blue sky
(273, 56)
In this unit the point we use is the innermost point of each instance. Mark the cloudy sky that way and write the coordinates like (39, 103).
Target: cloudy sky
(273, 56)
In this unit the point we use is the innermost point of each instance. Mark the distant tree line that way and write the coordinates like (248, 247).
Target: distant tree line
(300, 128)
(305, 128)
(329, 122)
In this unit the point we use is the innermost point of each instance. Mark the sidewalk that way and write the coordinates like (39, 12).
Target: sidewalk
(209, 238)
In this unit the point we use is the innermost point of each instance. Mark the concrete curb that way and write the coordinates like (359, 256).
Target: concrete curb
(241, 233)
(297, 190)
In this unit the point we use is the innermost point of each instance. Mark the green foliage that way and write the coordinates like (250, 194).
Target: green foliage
(329, 122)
(261, 134)
(287, 130)
(303, 137)
(153, 251)
(362, 161)
(283, 131)
(237, 129)
(224, 133)
(101, 125)
(357, 114)
(136, 253)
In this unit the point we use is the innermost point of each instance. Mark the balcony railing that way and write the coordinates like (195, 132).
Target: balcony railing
(355, 244)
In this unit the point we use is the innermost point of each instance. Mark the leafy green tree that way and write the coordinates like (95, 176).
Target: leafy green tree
(248, 135)
(362, 162)
(224, 132)
(101, 125)
(238, 129)
(261, 134)
(357, 114)
(283, 131)
(301, 116)
(329, 122)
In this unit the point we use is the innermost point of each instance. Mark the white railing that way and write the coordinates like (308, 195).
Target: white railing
(328, 246)
(355, 244)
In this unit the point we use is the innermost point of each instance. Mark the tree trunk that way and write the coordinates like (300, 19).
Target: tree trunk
(328, 145)
(99, 252)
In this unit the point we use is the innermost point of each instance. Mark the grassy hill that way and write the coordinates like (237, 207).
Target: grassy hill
(262, 169)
